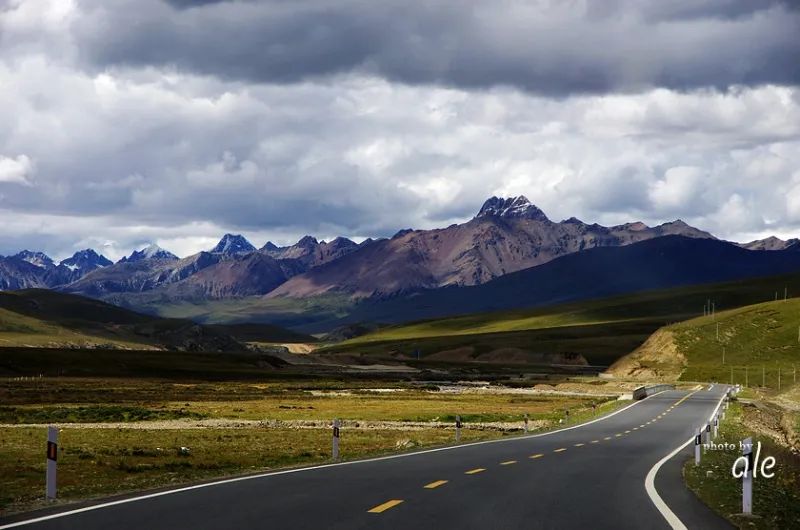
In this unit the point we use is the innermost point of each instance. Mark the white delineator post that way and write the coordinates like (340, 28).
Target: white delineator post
(697, 443)
(52, 457)
(716, 426)
(458, 429)
(747, 479)
(336, 440)
(526, 423)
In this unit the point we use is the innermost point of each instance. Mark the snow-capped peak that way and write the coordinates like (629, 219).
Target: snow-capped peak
(233, 244)
(513, 207)
(86, 260)
(38, 259)
(151, 251)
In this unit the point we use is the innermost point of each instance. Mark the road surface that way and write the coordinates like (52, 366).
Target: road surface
(588, 476)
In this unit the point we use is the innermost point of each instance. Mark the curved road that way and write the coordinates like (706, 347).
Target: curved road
(587, 476)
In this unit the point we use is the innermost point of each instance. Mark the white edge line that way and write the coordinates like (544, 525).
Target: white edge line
(310, 468)
(650, 487)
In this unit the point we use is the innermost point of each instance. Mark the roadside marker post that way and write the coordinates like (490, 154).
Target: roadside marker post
(52, 457)
(716, 426)
(336, 440)
(747, 478)
(707, 432)
(526, 423)
(697, 441)
(458, 429)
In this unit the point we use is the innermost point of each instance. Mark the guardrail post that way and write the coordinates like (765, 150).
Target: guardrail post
(52, 458)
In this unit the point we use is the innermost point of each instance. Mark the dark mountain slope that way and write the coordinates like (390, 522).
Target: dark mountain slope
(664, 262)
(506, 235)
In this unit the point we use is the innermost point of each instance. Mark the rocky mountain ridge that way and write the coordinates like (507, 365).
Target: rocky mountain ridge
(506, 235)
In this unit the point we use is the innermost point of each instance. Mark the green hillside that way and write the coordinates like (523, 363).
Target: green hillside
(48, 319)
(601, 330)
(758, 341)
(21, 330)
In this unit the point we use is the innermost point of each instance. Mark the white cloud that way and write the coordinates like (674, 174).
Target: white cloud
(16, 170)
(679, 190)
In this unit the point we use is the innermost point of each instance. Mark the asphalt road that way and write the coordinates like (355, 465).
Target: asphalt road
(590, 476)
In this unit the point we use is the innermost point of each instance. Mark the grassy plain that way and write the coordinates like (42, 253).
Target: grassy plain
(120, 435)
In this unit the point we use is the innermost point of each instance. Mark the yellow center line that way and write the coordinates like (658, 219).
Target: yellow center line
(687, 396)
(636, 428)
(435, 484)
(474, 471)
(508, 462)
(560, 450)
(627, 432)
(578, 445)
(607, 438)
(641, 426)
(617, 435)
(538, 455)
(594, 441)
(385, 506)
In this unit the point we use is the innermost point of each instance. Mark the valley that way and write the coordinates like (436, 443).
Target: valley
(161, 372)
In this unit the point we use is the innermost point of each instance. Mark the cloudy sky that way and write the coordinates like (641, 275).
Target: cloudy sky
(130, 121)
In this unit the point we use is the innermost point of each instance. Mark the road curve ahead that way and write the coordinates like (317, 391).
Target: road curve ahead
(589, 476)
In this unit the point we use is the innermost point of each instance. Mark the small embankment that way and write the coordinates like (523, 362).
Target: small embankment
(658, 359)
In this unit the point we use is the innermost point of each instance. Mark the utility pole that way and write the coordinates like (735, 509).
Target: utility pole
(785, 293)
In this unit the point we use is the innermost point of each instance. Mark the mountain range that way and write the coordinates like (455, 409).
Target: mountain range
(658, 263)
(506, 236)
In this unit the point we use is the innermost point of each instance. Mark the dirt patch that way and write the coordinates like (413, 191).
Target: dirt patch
(657, 359)
(300, 348)
(771, 421)
(289, 424)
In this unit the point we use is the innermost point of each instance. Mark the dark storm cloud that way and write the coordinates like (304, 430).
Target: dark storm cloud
(129, 121)
(556, 49)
